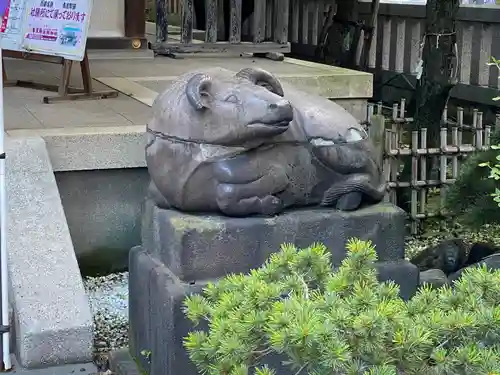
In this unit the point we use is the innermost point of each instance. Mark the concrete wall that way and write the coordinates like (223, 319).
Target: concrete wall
(102, 180)
(103, 212)
(103, 208)
(356, 107)
(108, 19)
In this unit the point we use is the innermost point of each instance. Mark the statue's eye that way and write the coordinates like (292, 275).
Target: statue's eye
(232, 99)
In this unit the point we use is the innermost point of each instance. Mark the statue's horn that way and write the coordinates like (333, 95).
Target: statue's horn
(263, 78)
(195, 87)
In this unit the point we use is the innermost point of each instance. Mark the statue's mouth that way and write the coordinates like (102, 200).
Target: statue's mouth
(351, 137)
(281, 125)
(322, 142)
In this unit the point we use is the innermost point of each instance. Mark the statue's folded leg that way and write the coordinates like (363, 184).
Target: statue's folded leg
(350, 201)
(268, 205)
(255, 197)
(247, 186)
(157, 197)
(348, 195)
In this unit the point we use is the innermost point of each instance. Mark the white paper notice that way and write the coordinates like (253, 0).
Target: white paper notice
(57, 27)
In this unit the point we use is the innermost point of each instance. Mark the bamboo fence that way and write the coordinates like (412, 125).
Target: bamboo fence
(433, 169)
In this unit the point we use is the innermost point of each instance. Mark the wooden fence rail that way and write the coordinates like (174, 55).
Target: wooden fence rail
(266, 31)
(427, 186)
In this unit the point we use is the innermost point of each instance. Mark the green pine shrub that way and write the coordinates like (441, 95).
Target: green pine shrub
(470, 197)
(343, 322)
(475, 196)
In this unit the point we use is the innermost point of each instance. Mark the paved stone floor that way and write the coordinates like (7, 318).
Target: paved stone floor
(24, 108)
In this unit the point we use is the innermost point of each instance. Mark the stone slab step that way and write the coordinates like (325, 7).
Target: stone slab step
(125, 54)
(81, 369)
(122, 363)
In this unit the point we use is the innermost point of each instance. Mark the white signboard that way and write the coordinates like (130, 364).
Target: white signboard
(13, 12)
(47, 27)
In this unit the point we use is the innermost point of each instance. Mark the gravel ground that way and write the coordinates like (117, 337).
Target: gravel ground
(108, 296)
(487, 233)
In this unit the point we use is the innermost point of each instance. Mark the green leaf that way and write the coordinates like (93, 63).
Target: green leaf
(264, 371)
(239, 370)
(196, 307)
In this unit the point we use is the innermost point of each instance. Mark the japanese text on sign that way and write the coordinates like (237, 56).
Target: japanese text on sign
(57, 14)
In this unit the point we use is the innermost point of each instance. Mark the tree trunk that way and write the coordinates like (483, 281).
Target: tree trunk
(439, 75)
(439, 70)
(341, 34)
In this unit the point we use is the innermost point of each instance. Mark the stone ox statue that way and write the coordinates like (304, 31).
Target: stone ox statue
(246, 144)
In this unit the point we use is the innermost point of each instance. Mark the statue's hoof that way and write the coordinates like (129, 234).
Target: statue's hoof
(350, 201)
(271, 205)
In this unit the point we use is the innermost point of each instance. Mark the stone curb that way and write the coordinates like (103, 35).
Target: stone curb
(52, 318)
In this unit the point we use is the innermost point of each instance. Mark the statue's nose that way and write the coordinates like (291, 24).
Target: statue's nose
(282, 110)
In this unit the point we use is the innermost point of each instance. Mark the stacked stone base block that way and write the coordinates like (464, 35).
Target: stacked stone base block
(182, 252)
(157, 323)
(197, 247)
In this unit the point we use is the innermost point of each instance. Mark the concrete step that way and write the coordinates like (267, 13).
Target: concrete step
(122, 54)
(82, 369)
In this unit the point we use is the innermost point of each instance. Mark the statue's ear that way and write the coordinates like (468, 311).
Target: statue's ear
(198, 90)
(262, 78)
(267, 86)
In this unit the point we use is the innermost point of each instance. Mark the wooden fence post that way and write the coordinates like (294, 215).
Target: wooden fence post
(161, 21)
(377, 131)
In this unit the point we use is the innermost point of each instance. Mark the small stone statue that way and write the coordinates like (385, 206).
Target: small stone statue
(245, 144)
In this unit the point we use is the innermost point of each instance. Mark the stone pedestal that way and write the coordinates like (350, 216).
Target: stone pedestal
(180, 252)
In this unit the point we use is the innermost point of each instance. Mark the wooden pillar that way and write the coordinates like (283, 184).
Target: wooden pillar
(161, 20)
(135, 18)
